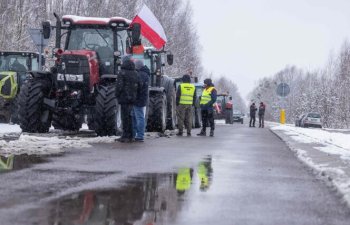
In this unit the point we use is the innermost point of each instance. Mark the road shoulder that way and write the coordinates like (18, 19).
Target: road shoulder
(325, 159)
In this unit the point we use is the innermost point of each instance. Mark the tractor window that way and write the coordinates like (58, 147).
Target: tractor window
(15, 63)
(35, 64)
(90, 39)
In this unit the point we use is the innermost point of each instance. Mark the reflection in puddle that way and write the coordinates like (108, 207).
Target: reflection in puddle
(17, 162)
(146, 199)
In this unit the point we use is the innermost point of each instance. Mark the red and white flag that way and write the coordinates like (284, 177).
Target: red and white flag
(151, 28)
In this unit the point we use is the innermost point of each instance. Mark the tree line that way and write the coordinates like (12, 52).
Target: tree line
(17, 16)
(325, 90)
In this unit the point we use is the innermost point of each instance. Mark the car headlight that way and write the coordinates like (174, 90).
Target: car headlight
(71, 77)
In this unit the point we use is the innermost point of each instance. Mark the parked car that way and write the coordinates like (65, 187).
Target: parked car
(299, 119)
(238, 116)
(311, 120)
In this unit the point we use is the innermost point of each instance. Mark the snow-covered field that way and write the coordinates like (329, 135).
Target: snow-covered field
(12, 141)
(327, 152)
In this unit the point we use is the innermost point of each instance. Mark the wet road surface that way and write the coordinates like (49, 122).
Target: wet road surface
(241, 176)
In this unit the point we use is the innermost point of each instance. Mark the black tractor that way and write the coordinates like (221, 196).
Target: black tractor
(83, 78)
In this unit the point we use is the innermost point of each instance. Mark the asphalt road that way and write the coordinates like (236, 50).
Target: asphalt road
(241, 176)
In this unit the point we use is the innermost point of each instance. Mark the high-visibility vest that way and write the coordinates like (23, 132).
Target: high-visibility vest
(187, 93)
(206, 95)
(183, 180)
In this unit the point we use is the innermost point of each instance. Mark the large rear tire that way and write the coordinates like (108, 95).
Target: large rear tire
(157, 112)
(33, 116)
(105, 111)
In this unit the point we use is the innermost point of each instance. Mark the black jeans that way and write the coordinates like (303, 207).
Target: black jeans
(126, 116)
(208, 116)
(252, 121)
(261, 120)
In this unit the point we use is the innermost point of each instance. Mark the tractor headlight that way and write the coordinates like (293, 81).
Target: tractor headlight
(71, 77)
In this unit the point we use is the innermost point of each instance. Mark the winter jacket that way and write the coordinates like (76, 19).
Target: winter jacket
(209, 105)
(253, 110)
(261, 110)
(127, 83)
(142, 91)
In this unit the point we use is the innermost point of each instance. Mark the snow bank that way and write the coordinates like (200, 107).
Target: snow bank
(326, 152)
(50, 143)
(304, 135)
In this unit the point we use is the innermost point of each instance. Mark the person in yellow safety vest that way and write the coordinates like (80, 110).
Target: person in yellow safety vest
(183, 180)
(207, 101)
(185, 99)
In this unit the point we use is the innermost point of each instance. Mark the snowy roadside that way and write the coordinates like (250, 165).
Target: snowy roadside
(326, 152)
(13, 141)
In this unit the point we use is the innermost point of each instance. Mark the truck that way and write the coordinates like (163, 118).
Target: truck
(224, 108)
(13, 68)
(82, 81)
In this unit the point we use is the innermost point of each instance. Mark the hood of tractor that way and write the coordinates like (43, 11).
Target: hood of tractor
(8, 85)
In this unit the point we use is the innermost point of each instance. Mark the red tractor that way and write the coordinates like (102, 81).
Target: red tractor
(82, 82)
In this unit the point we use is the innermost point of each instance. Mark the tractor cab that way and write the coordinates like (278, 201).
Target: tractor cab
(13, 71)
(223, 108)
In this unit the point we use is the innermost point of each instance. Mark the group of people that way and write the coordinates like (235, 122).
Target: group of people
(186, 98)
(132, 94)
(261, 114)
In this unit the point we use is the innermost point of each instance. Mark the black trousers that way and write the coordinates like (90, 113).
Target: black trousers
(208, 117)
(126, 116)
(252, 121)
(261, 120)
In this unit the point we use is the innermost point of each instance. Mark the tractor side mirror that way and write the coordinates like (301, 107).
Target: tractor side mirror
(46, 29)
(136, 34)
(170, 59)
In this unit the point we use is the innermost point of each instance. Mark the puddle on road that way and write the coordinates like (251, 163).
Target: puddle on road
(18, 162)
(144, 199)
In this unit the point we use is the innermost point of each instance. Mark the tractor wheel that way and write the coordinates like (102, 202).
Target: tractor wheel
(157, 112)
(32, 115)
(168, 84)
(67, 122)
(105, 111)
(14, 111)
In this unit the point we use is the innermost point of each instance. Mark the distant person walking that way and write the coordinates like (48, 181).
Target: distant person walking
(207, 101)
(185, 99)
(138, 116)
(253, 110)
(261, 114)
(126, 93)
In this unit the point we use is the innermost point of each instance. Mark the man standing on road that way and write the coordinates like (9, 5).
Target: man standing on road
(185, 99)
(261, 114)
(207, 101)
(253, 110)
(126, 93)
(138, 118)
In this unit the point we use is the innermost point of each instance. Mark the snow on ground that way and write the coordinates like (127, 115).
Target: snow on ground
(51, 143)
(335, 143)
(325, 151)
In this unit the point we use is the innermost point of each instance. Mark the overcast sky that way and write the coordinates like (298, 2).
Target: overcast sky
(249, 39)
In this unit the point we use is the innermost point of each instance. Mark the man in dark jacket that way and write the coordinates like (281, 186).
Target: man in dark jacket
(207, 101)
(253, 110)
(126, 92)
(261, 114)
(185, 99)
(138, 118)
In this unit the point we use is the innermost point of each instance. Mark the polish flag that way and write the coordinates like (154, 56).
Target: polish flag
(151, 28)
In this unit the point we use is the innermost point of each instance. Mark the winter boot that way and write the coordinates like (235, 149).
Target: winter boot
(211, 133)
(180, 133)
(202, 133)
